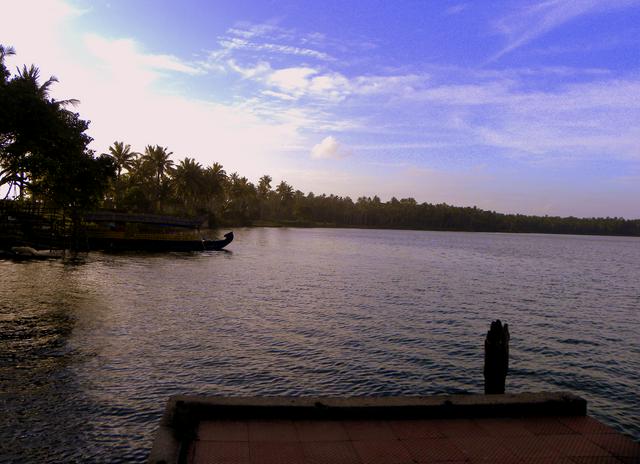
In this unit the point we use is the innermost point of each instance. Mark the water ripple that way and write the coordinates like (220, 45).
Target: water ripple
(89, 353)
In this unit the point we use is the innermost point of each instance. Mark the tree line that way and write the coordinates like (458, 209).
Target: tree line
(151, 182)
(44, 157)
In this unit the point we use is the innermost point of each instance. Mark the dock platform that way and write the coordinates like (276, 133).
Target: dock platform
(510, 428)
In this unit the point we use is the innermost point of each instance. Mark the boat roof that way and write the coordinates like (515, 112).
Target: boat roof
(170, 221)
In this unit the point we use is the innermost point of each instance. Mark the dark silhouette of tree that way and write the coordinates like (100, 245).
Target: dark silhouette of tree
(122, 156)
(189, 184)
(159, 160)
(284, 194)
(43, 146)
(264, 196)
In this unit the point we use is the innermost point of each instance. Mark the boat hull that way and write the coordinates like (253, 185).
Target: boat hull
(157, 245)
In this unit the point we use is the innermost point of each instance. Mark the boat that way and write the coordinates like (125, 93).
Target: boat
(25, 253)
(218, 244)
(156, 243)
(114, 231)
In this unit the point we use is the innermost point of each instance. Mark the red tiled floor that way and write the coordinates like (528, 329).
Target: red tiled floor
(497, 441)
(382, 452)
(504, 427)
(220, 452)
(434, 450)
(321, 431)
(628, 460)
(554, 460)
(223, 431)
(618, 445)
(586, 425)
(530, 447)
(453, 428)
(485, 449)
(596, 460)
(547, 426)
(336, 452)
(415, 429)
(369, 430)
(272, 431)
(573, 445)
(276, 453)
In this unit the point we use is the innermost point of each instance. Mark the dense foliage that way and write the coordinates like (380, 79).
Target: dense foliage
(150, 182)
(44, 153)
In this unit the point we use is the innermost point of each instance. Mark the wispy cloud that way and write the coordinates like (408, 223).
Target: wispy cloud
(235, 43)
(297, 82)
(268, 39)
(528, 23)
(578, 121)
(456, 9)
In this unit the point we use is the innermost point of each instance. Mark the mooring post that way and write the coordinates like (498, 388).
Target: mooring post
(496, 357)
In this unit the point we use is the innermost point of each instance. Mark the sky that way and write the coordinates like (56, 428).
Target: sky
(528, 106)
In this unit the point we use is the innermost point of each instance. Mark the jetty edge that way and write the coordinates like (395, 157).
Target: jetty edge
(546, 417)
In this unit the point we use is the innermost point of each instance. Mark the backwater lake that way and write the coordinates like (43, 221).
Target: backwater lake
(90, 351)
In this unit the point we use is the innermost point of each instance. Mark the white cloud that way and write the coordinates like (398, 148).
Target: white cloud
(130, 95)
(294, 80)
(329, 148)
(280, 95)
(302, 81)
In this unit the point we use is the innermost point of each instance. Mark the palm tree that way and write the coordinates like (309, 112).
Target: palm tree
(285, 195)
(123, 157)
(189, 182)
(4, 72)
(31, 75)
(216, 181)
(216, 178)
(242, 198)
(21, 135)
(264, 192)
(159, 159)
(264, 186)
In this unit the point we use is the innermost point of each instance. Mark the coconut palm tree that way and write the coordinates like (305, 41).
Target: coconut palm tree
(26, 114)
(123, 157)
(31, 76)
(284, 193)
(4, 72)
(159, 159)
(242, 198)
(189, 183)
(216, 179)
(264, 194)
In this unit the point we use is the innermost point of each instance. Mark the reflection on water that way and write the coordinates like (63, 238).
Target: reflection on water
(90, 352)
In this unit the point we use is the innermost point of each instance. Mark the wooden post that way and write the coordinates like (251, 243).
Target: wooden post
(496, 357)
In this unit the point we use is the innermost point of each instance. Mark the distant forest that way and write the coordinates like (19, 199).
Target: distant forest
(151, 182)
(44, 157)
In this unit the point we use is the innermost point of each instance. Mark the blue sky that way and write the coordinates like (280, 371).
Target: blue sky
(515, 106)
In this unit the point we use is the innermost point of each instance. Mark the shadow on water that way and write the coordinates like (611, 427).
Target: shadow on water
(47, 416)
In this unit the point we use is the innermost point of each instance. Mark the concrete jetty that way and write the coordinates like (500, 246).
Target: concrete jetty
(508, 428)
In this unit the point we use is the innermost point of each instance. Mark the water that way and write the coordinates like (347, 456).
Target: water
(90, 351)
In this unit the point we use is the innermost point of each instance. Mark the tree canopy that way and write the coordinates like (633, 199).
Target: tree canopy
(44, 154)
